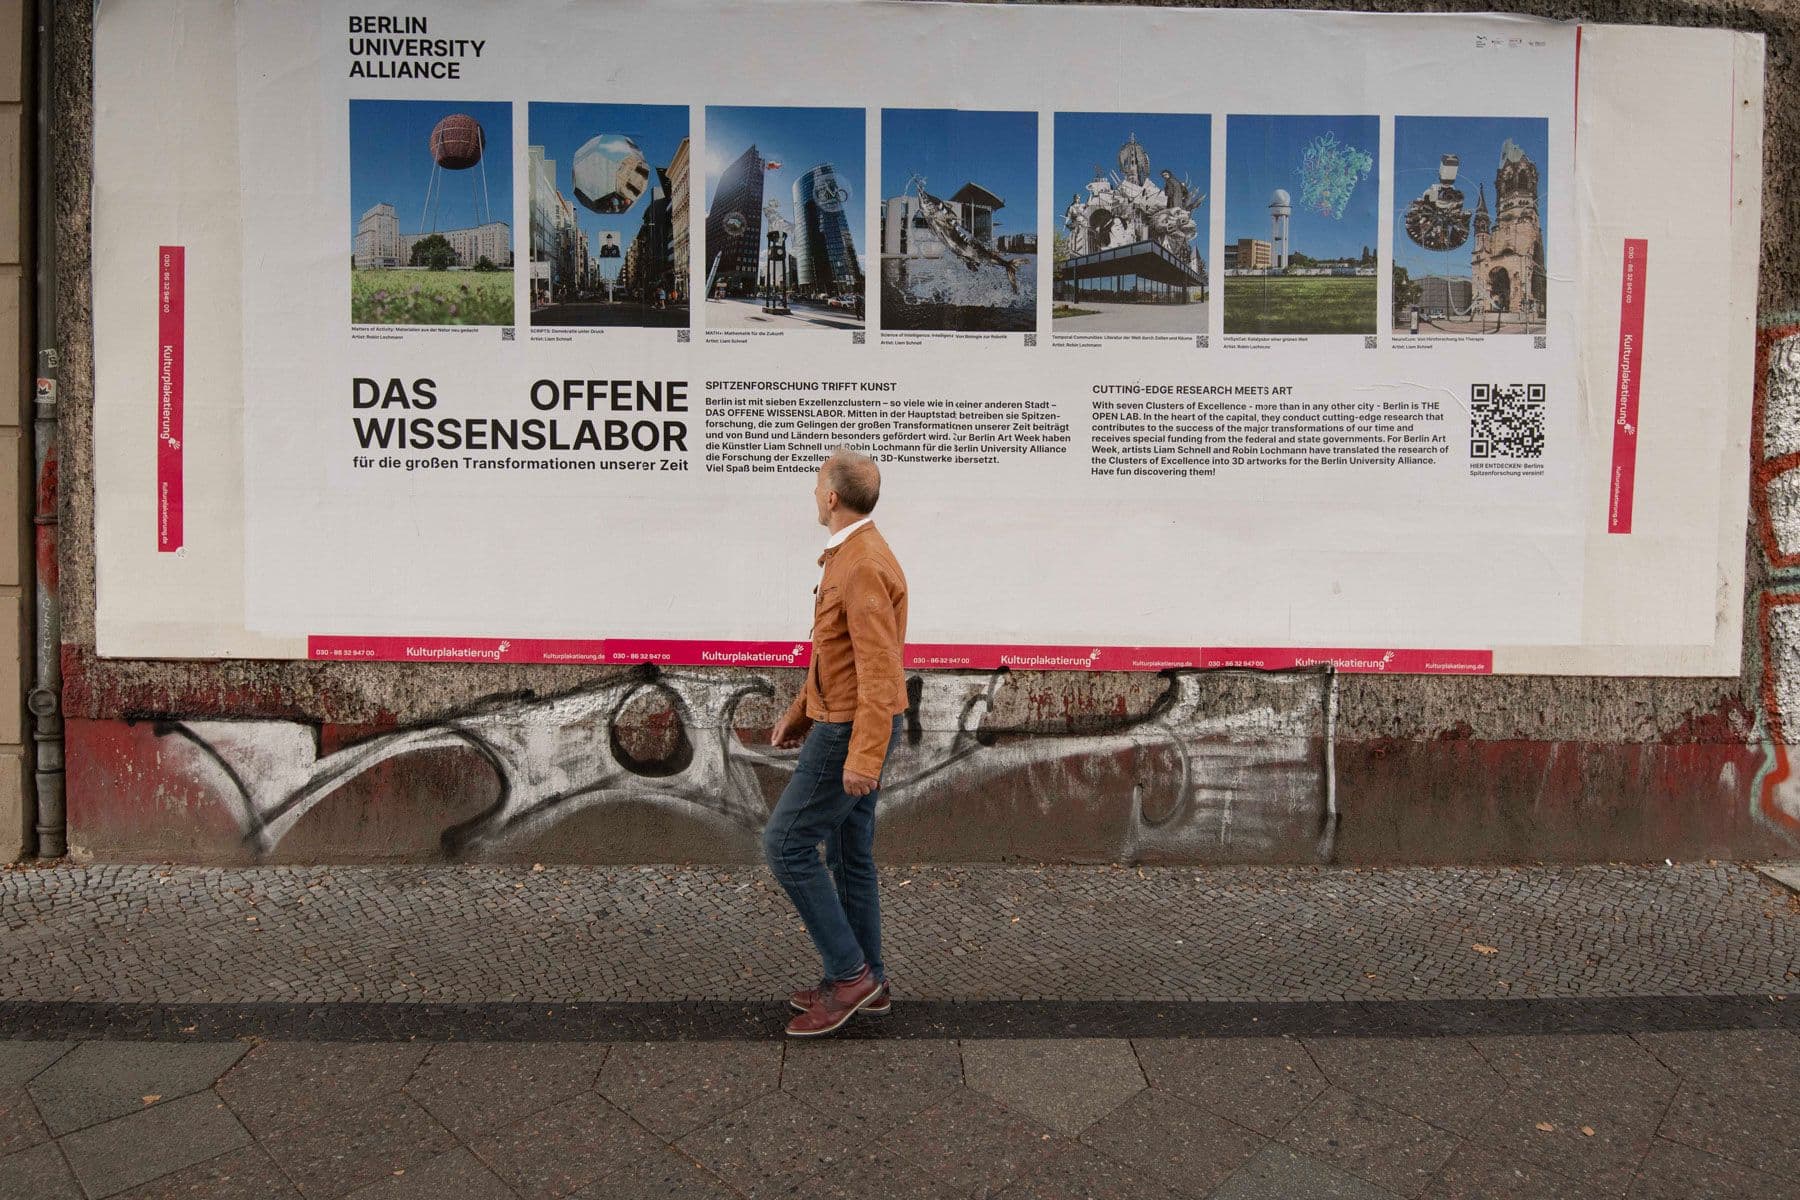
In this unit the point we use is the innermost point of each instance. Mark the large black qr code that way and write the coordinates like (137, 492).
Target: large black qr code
(1506, 420)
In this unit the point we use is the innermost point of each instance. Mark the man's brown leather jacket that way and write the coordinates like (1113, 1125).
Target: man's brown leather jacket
(859, 630)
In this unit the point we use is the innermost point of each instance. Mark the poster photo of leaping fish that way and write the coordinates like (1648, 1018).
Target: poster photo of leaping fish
(959, 220)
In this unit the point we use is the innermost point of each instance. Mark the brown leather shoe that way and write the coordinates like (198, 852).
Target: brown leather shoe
(880, 1006)
(836, 1004)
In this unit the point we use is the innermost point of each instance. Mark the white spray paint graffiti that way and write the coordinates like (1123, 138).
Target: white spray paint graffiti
(1775, 507)
(1256, 778)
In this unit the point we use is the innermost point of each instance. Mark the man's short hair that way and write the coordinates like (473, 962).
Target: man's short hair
(855, 478)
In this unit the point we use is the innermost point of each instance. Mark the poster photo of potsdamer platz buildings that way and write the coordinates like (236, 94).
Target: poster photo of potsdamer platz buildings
(784, 219)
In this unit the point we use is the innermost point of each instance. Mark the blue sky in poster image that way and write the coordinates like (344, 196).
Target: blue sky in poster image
(1419, 142)
(1263, 153)
(562, 129)
(954, 146)
(1176, 142)
(390, 161)
(799, 139)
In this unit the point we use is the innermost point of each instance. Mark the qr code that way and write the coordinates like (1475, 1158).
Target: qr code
(1203, 341)
(1031, 339)
(1506, 420)
(1539, 342)
(859, 337)
(684, 335)
(1368, 341)
(506, 333)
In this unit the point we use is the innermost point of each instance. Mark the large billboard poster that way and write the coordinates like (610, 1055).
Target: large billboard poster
(1184, 338)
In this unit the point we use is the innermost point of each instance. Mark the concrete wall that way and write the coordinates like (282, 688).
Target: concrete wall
(337, 762)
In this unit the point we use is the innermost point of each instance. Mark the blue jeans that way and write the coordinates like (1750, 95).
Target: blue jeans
(840, 904)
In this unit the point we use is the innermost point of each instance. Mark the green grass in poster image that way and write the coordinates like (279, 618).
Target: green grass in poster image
(381, 297)
(1300, 304)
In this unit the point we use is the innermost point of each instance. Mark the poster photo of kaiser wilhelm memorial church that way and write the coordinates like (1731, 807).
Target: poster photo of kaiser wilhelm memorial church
(1461, 268)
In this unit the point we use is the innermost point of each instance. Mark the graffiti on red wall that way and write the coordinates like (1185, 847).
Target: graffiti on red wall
(1251, 778)
(1775, 513)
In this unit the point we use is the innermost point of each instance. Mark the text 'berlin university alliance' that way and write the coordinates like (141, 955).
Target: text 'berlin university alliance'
(401, 48)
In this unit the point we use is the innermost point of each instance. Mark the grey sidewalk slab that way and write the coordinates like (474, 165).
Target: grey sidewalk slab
(1259, 1084)
(880, 1083)
(1593, 1135)
(470, 1087)
(1079, 1173)
(457, 1174)
(674, 1088)
(1675, 1172)
(1787, 874)
(1065, 1084)
(773, 1144)
(20, 1124)
(246, 1173)
(718, 1120)
(1741, 1128)
(358, 1146)
(1483, 1173)
(564, 1147)
(1443, 1081)
(163, 1138)
(98, 1081)
(39, 1173)
(1278, 1173)
(20, 1062)
(967, 1142)
(1758, 1061)
(662, 1172)
(1371, 1141)
(279, 1085)
(878, 1172)
(1181, 1146)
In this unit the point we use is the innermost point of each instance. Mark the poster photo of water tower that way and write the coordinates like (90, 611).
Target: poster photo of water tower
(1302, 225)
(430, 198)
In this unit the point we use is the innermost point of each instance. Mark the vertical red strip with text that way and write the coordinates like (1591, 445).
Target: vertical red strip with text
(1625, 393)
(171, 270)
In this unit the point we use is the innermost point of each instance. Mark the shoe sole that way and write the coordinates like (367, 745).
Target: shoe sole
(843, 1021)
(867, 1010)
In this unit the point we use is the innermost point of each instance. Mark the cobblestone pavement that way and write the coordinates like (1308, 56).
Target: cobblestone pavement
(487, 934)
(1467, 1034)
(1670, 1116)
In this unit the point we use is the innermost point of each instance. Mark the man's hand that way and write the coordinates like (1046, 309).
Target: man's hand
(789, 732)
(859, 785)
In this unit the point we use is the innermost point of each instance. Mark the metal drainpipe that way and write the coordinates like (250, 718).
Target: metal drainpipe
(45, 698)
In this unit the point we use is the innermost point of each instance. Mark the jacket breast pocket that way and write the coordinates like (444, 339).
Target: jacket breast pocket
(828, 610)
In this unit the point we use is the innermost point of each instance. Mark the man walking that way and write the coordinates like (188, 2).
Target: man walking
(846, 719)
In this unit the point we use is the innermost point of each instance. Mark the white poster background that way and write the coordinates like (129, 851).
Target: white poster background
(1032, 551)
